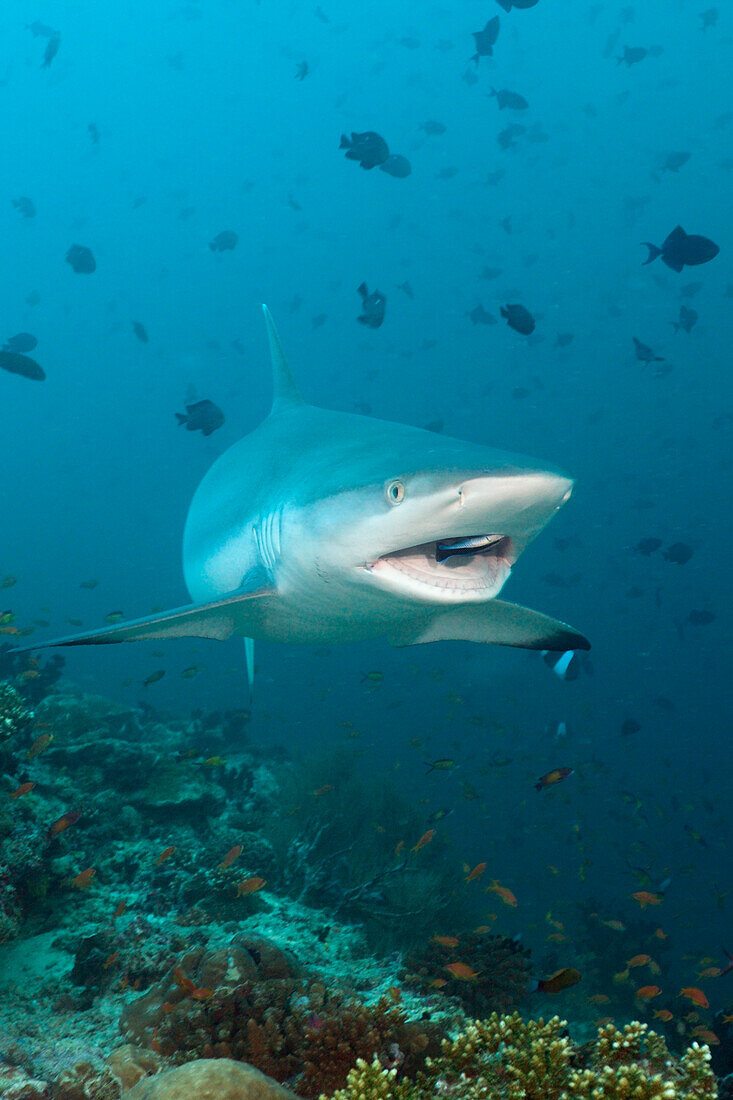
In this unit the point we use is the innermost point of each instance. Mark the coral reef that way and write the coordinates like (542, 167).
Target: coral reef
(214, 1079)
(507, 1057)
(15, 716)
(250, 1002)
(501, 966)
(341, 862)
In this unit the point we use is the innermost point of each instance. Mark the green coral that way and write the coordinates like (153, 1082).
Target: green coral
(14, 714)
(508, 1058)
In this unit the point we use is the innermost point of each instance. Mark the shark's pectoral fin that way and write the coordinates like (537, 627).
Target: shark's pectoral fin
(218, 619)
(497, 622)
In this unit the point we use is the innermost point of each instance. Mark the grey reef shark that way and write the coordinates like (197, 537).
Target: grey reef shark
(329, 527)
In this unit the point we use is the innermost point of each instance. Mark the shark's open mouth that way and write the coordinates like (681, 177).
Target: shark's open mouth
(472, 563)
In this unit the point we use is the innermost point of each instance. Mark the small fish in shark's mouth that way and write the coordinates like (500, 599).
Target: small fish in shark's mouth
(470, 545)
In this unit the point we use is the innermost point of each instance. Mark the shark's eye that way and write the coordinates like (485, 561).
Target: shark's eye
(395, 492)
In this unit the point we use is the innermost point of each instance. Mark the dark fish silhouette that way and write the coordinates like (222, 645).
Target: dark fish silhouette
(682, 249)
(709, 18)
(25, 206)
(647, 546)
(700, 618)
(369, 148)
(202, 416)
(372, 307)
(396, 165)
(23, 342)
(674, 162)
(563, 339)
(507, 100)
(679, 553)
(519, 318)
(480, 316)
(520, 5)
(21, 364)
(486, 38)
(224, 241)
(81, 259)
(139, 329)
(632, 55)
(52, 48)
(645, 354)
(687, 321)
(301, 70)
(433, 127)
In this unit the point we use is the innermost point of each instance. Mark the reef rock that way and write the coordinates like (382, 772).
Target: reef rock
(210, 1079)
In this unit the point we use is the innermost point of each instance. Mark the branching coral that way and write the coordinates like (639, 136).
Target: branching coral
(512, 1059)
(250, 1003)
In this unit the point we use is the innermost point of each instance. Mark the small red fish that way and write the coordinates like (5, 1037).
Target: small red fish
(503, 892)
(462, 971)
(477, 872)
(646, 898)
(119, 910)
(24, 788)
(561, 979)
(40, 745)
(232, 854)
(424, 839)
(446, 941)
(183, 981)
(166, 854)
(695, 995)
(63, 823)
(648, 992)
(550, 778)
(84, 879)
(250, 886)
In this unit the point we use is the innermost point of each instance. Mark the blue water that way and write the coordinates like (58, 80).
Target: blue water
(202, 128)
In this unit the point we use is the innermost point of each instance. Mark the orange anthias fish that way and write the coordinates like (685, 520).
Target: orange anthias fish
(63, 823)
(24, 788)
(663, 1014)
(166, 854)
(323, 790)
(183, 981)
(614, 925)
(446, 941)
(477, 872)
(232, 854)
(119, 910)
(424, 839)
(462, 972)
(709, 972)
(84, 879)
(648, 992)
(561, 979)
(706, 1035)
(40, 745)
(646, 898)
(639, 960)
(250, 886)
(695, 995)
(550, 778)
(503, 892)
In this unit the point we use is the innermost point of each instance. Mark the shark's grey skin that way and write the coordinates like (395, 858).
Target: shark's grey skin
(324, 526)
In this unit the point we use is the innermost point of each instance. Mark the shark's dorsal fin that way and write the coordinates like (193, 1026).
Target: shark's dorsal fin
(284, 391)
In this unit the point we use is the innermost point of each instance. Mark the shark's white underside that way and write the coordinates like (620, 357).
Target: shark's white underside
(323, 526)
